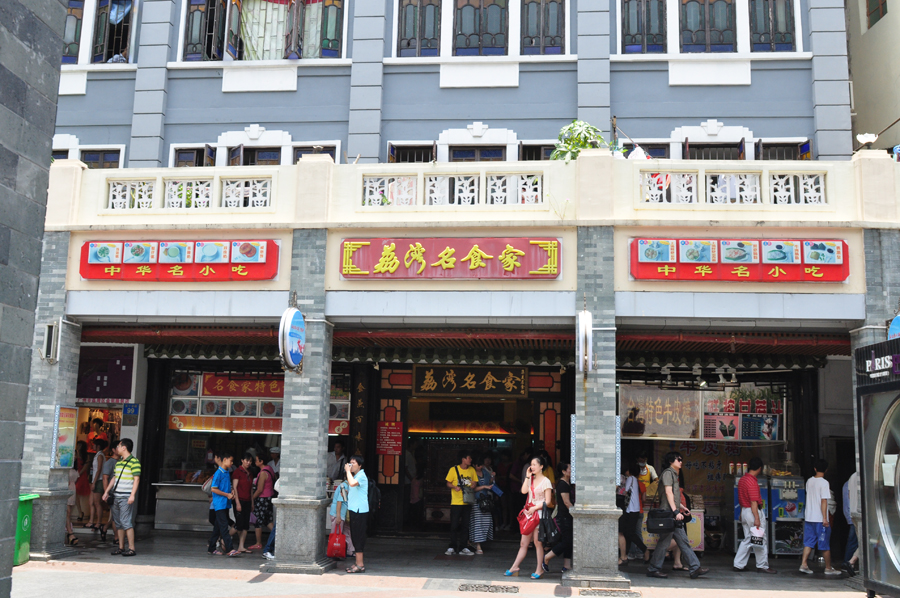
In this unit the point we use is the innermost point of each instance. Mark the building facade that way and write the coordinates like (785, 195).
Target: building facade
(440, 300)
(377, 81)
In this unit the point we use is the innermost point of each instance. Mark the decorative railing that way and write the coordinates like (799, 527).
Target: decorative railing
(453, 190)
(191, 194)
(732, 188)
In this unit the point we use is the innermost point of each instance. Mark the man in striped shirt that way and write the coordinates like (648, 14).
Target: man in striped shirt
(123, 486)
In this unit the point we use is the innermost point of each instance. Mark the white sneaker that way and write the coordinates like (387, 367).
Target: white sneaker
(269, 556)
(806, 570)
(450, 552)
(466, 552)
(833, 572)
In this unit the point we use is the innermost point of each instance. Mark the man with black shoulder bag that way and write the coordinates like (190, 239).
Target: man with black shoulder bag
(671, 507)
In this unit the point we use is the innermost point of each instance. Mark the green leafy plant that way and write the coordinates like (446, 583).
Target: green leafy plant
(575, 137)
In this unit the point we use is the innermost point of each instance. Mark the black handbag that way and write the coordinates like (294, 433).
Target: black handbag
(549, 532)
(486, 502)
(622, 500)
(660, 521)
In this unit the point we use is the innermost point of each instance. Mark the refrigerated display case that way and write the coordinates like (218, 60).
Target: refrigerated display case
(737, 530)
(787, 500)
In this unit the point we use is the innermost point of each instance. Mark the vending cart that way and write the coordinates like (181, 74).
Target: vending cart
(878, 439)
(787, 500)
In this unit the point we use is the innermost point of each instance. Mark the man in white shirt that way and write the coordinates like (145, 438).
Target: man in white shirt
(334, 463)
(817, 525)
(275, 463)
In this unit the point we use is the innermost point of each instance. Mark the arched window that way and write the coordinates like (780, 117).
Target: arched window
(543, 27)
(481, 28)
(643, 26)
(419, 28)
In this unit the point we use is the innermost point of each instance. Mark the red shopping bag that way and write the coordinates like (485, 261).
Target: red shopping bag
(337, 544)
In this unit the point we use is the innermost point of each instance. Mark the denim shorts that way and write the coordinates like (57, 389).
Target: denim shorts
(816, 534)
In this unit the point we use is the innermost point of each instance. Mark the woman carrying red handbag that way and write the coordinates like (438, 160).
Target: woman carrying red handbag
(539, 490)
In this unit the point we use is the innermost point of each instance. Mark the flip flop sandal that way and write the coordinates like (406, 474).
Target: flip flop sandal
(117, 551)
(355, 569)
(129, 552)
(680, 569)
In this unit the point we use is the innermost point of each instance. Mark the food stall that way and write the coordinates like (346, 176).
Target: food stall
(210, 411)
(878, 438)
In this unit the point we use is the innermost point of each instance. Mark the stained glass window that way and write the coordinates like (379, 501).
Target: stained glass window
(262, 156)
(100, 158)
(477, 154)
(419, 28)
(480, 28)
(204, 37)
(543, 27)
(772, 25)
(72, 31)
(112, 31)
(875, 9)
(707, 26)
(643, 26)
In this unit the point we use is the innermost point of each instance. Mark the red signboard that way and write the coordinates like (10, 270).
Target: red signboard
(241, 385)
(451, 257)
(389, 438)
(224, 424)
(740, 260)
(179, 261)
(338, 426)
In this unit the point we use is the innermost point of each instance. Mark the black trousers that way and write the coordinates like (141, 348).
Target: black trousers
(563, 548)
(220, 530)
(358, 530)
(628, 528)
(459, 526)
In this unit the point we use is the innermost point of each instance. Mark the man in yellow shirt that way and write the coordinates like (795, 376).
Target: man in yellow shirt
(458, 477)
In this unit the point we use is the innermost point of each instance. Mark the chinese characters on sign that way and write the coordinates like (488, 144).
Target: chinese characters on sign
(740, 260)
(649, 412)
(179, 261)
(453, 257)
(388, 438)
(470, 381)
(242, 385)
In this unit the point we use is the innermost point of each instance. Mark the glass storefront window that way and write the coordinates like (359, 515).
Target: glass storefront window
(887, 482)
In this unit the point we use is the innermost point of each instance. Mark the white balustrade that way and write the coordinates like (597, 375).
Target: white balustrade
(806, 189)
(194, 194)
(733, 189)
(515, 189)
(246, 193)
(131, 195)
(669, 187)
(389, 191)
(738, 188)
(454, 190)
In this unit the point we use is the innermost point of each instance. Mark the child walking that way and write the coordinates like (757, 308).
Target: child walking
(221, 501)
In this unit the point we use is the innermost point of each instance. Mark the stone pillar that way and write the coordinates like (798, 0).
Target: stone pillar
(301, 505)
(593, 64)
(52, 385)
(29, 77)
(830, 80)
(366, 76)
(158, 31)
(596, 517)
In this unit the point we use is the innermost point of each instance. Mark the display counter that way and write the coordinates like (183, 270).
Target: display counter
(181, 507)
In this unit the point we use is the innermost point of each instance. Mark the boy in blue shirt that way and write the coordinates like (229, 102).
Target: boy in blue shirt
(222, 495)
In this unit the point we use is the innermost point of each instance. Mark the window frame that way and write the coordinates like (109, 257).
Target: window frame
(482, 20)
(80, 149)
(771, 30)
(420, 22)
(642, 8)
(86, 37)
(477, 149)
(881, 9)
(561, 18)
(291, 58)
(706, 12)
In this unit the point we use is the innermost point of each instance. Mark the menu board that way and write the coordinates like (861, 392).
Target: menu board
(650, 412)
(64, 437)
(739, 260)
(229, 401)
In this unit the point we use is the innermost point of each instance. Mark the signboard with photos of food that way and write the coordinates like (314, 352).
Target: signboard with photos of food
(226, 401)
(740, 260)
(180, 261)
(736, 414)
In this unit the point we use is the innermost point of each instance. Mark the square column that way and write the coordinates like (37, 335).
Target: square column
(52, 385)
(302, 502)
(596, 518)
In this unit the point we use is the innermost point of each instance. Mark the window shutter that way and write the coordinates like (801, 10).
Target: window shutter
(293, 41)
(392, 153)
(236, 156)
(686, 150)
(520, 151)
(434, 151)
(758, 149)
(209, 156)
(804, 151)
(233, 30)
(101, 31)
(742, 149)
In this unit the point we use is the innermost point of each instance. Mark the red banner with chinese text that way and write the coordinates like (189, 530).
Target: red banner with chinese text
(179, 261)
(225, 424)
(451, 257)
(740, 260)
(239, 386)
(388, 438)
